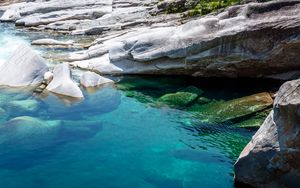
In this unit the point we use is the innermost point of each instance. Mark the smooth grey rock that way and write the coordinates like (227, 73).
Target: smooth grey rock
(238, 42)
(24, 68)
(91, 79)
(271, 159)
(62, 83)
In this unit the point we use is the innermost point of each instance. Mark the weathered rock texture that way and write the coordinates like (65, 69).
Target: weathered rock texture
(62, 82)
(251, 40)
(24, 68)
(271, 159)
(91, 79)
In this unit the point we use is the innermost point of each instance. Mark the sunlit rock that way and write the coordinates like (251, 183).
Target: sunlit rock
(24, 68)
(62, 82)
(91, 79)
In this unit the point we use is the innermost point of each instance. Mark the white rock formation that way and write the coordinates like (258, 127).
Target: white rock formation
(62, 82)
(24, 68)
(91, 79)
(51, 42)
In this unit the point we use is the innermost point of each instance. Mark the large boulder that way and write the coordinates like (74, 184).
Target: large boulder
(24, 68)
(235, 109)
(271, 158)
(62, 82)
(238, 42)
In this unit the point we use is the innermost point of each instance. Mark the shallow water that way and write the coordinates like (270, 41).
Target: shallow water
(112, 140)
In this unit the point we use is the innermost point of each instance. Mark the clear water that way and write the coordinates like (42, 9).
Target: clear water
(110, 140)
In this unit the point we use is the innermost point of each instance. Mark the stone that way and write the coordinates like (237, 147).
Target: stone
(179, 99)
(212, 46)
(48, 77)
(271, 158)
(24, 68)
(62, 83)
(91, 79)
(220, 112)
(203, 100)
(28, 105)
(52, 42)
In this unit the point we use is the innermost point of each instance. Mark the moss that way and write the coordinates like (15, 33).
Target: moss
(179, 99)
(203, 100)
(219, 112)
(139, 96)
(255, 121)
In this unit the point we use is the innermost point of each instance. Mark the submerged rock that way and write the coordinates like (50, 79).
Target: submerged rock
(29, 105)
(24, 68)
(62, 83)
(271, 158)
(179, 99)
(91, 79)
(219, 112)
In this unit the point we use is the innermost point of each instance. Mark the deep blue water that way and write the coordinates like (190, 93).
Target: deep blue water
(110, 140)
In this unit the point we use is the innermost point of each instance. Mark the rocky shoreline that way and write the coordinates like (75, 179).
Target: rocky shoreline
(256, 40)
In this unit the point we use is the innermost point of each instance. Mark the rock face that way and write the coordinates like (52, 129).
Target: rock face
(91, 79)
(271, 159)
(24, 68)
(62, 82)
(251, 40)
(239, 42)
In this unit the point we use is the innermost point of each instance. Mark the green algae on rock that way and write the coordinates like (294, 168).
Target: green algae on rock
(179, 99)
(254, 121)
(220, 112)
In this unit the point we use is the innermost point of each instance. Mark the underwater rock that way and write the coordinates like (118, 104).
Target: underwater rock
(34, 139)
(24, 68)
(254, 121)
(193, 89)
(62, 82)
(203, 100)
(3, 114)
(179, 99)
(271, 158)
(28, 133)
(219, 112)
(28, 105)
(91, 79)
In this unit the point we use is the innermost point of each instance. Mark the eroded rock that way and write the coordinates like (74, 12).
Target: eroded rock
(271, 158)
(24, 68)
(62, 82)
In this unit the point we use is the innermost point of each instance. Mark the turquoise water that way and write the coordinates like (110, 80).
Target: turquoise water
(110, 140)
